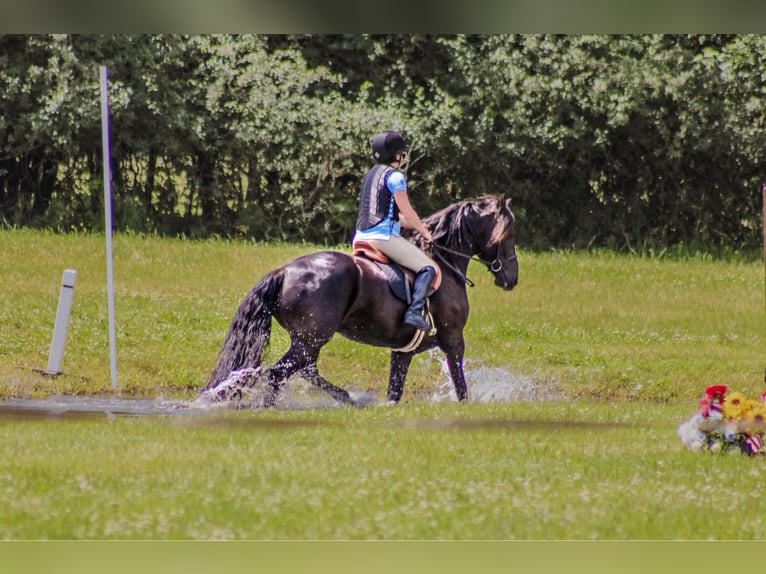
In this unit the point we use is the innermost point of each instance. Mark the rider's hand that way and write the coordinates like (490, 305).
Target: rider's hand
(427, 236)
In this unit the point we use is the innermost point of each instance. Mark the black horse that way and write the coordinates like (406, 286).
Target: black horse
(315, 296)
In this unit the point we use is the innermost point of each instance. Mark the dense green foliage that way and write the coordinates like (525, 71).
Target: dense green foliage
(621, 141)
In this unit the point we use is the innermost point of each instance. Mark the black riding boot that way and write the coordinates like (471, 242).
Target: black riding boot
(423, 282)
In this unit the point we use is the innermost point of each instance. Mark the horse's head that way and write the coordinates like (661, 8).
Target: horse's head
(482, 228)
(496, 228)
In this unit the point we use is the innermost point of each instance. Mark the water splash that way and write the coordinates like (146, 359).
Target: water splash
(493, 384)
(243, 389)
(240, 390)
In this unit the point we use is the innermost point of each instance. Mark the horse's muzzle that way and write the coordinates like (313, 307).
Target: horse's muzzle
(506, 283)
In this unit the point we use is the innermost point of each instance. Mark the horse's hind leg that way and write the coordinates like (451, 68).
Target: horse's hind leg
(311, 374)
(274, 377)
(297, 357)
(301, 358)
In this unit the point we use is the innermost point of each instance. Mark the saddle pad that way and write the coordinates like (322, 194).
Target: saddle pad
(397, 280)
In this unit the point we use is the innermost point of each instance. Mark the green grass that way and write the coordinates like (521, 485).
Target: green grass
(609, 326)
(498, 471)
(628, 342)
(592, 325)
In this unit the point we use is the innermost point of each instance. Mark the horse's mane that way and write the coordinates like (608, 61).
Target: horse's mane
(450, 226)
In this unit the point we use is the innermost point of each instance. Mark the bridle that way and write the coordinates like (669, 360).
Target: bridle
(495, 266)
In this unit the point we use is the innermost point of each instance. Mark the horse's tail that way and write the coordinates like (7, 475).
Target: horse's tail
(250, 330)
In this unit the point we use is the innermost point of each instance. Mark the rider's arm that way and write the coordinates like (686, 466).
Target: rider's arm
(408, 217)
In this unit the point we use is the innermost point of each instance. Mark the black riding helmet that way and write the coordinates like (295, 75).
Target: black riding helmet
(385, 145)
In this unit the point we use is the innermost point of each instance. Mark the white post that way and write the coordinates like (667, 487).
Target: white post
(62, 322)
(108, 219)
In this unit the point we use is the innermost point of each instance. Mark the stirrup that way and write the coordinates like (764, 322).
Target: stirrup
(416, 320)
(419, 335)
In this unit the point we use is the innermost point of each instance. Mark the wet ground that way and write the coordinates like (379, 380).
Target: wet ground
(83, 406)
(485, 384)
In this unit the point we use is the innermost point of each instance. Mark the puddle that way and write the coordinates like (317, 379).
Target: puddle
(485, 384)
(74, 407)
(61, 409)
(110, 408)
(297, 397)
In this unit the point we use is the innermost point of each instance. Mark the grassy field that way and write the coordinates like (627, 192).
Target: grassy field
(626, 344)
(492, 471)
(595, 326)
(503, 471)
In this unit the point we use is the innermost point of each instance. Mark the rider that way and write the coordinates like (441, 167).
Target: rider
(383, 208)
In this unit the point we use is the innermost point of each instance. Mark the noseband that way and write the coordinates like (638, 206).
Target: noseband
(497, 263)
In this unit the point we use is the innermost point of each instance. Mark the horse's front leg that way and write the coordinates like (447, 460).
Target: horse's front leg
(400, 364)
(455, 364)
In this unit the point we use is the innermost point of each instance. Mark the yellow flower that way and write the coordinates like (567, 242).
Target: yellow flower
(756, 411)
(735, 406)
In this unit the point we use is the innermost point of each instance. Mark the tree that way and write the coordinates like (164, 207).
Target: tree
(630, 141)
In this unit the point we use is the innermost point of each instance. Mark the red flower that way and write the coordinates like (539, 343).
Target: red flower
(716, 392)
(714, 395)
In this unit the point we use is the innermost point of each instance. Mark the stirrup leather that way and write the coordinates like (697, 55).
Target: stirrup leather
(420, 334)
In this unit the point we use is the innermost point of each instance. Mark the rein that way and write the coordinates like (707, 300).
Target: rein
(454, 269)
(493, 266)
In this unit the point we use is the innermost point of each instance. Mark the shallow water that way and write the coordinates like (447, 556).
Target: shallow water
(485, 384)
(83, 406)
(66, 407)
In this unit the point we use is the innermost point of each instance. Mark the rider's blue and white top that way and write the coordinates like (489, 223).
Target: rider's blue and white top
(389, 226)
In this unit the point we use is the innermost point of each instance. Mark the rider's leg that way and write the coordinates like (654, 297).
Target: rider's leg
(423, 282)
(408, 255)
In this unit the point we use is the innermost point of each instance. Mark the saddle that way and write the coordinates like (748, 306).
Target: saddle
(400, 279)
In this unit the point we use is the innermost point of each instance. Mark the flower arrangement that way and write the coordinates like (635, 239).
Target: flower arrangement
(726, 422)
